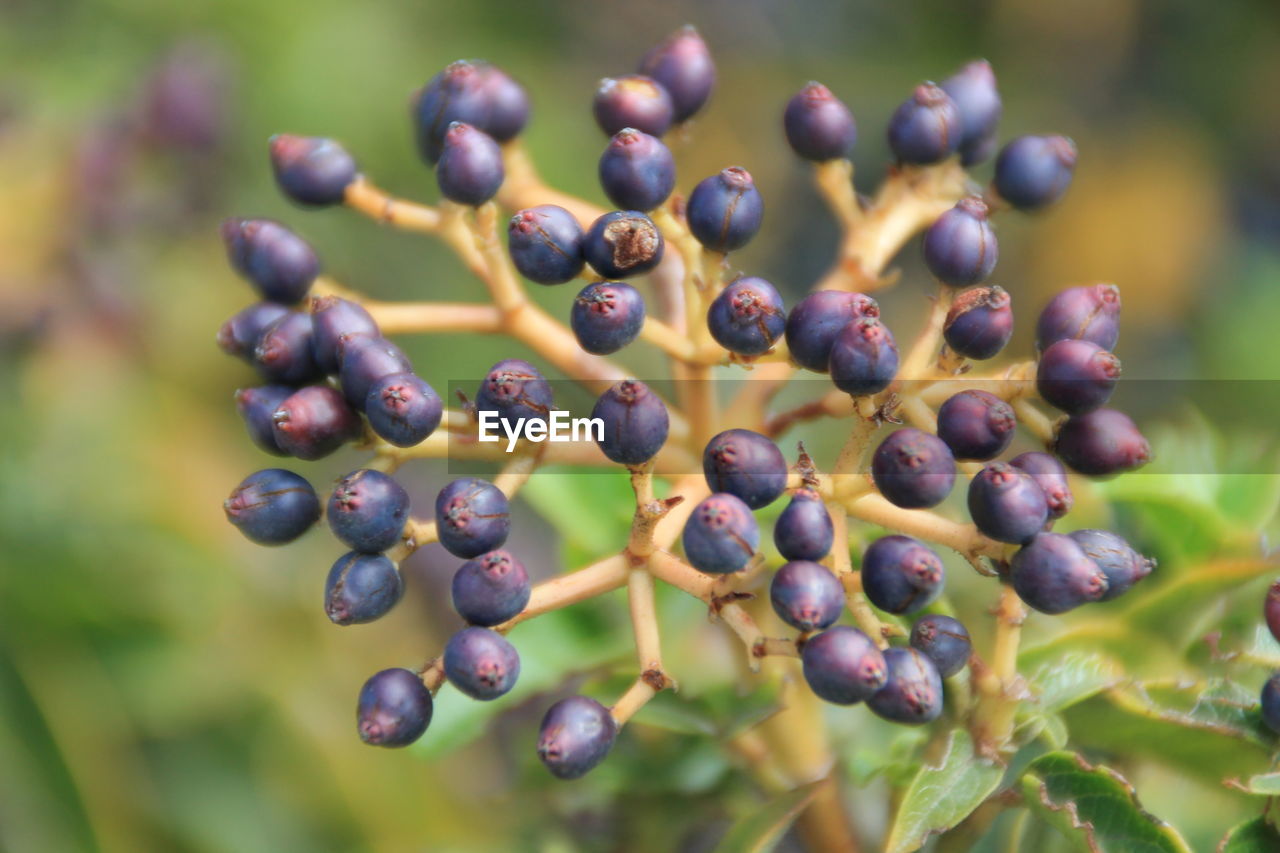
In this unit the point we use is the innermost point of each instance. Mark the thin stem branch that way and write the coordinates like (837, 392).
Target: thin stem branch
(928, 342)
(636, 697)
(363, 197)
(523, 187)
(842, 566)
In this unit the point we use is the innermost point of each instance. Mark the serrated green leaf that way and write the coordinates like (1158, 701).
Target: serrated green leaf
(940, 797)
(761, 829)
(1095, 808)
(1252, 836)
(1072, 678)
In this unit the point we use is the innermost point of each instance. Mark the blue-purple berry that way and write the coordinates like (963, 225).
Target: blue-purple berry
(310, 170)
(682, 65)
(272, 506)
(403, 409)
(725, 210)
(515, 389)
(901, 574)
(490, 589)
(721, 535)
(944, 641)
(637, 171)
(622, 244)
(816, 321)
(747, 465)
(545, 244)
(333, 318)
(315, 421)
(864, 357)
(476, 92)
(979, 322)
(470, 168)
(1007, 504)
(818, 125)
(635, 422)
(1269, 703)
(973, 89)
(1076, 376)
(1271, 609)
(276, 261)
(1101, 443)
(843, 666)
(960, 247)
(747, 317)
(1119, 561)
(284, 353)
(976, 425)
(633, 100)
(606, 316)
(806, 595)
(1032, 172)
(394, 708)
(913, 470)
(926, 128)
(804, 530)
(1050, 476)
(576, 734)
(361, 588)
(1089, 313)
(368, 510)
(912, 694)
(1053, 574)
(257, 406)
(239, 336)
(363, 360)
(472, 517)
(481, 663)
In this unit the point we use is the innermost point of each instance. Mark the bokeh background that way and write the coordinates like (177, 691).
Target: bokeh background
(166, 685)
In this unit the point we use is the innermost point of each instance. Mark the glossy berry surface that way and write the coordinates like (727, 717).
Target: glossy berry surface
(1088, 313)
(368, 510)
(806, 595)
(1050, 476)
(682, 65)
(622, 244)
(403, 409)
(394, 708)
(944, 641)
(364, 360)
(725, 210)
(1101, 443)
(1119, 561)
(276, 261)
(1033, 172)
(864, 357)
(804, 530)
(747, 316)
(960, 247)
(515, 389)
(284, 352)
(606, 316)
(545, 244)
(1007, 504)
(256, 407)
(1076, 376)
(747, 465)
(576, 734)
(472, 517)
(470, 168)
(490, 589)
(973, 90)
(633, 100)
(912, 694)
(361, 588)
(1052, 574)
(1271, 610)
(637, 171)
(315, 421)
(818, 124)
(1269, 703)
(979, 323)
(635, 422)
(926, 127)
(310, 170)
(976, 425)
(481, 663)
(817, 320)
(913, 470)
(721, 535)
(239, 336)
(842, 665)
(478, 93)
(331, 319)
(901, 574)
(272, 506)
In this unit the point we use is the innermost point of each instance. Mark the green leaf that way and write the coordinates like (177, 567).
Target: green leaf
(1263, 784)
(1072, 678)
(1168, 605)
(760, 830)
(1095, 808)
(940, 797)
(590, 509)
(1252, 836)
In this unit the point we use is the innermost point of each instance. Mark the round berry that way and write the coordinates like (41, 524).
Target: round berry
(284, 352)
(817, 320)
(913, 470)
(747, 316)
(635, 422)
(1271, 610)
(804, 530)
(806, 595)
(1076, 376)
(368, 510)
(1087, 313)
(901, 574)
(279, 263)
(1270, 703)
(490, 589)
(403, 409)
(818, 124)
(979, 323)
(363, 360)
(481, 663)
(973, 89)
(256, 407)
(315, 421)
(515, 389)
(1007, 504)
(545, 244)
(926, 128)
(394, 708)
(310, 170)
(1033, 172)
(606, 316)
(239, 336)
(273, 506)
(1118, 560)
(622, 244)
(1101, 443)
(576, 734)
(725, 210)
(633, 100)
(332, 319)
(470, 168)
(1052, 574)
(721, 535)
(747, 465)
(361, 588)
(682, 65)
(912, 694)
(976, 425)
(637, 171)
(482, 95)
(472, 517)
(1050, 476)
(960, 247)
(944, 641)
(864, 357)
(843, 666)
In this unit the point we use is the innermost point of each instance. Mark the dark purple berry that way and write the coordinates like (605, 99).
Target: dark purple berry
(1033, 172)
(315, 421)
(973, 89)
(515, 389)
(273, 506)
(912, 694)
(284, 352)
(279, 263)
(472, 517)
(637, 171)
(363, 360)
(1050, 476)
(901, 574)
(239, 336)
(818, 124)
(1101, 443)
(944, 641)
(1271, 610)
(633, 100)
(482, 95)
(333, 318)
(606, 316)
(913, 470)
(806, 595)
(804, 530)
(864, 357)
(1088, 313)
(576, 734)
(403, 409)
(843, 666)
(817, 320)
(960, 247)
(310, 170)
(1269, 703)
(747, 465)
(1076, 376)
(545, 243)
(721, 535)
(926, 128)
(490, 589)
(1052, 574)
(361, 588)
(257, 406)
(1118, 560)
(976, 425)
(470, 168)
(622, 244)
(368, 510)
(725, 210)
(394, 708)
(979, 323)
(635, 422)
(1007, 504)
(481, 663)
(682, 65)
(747, 316)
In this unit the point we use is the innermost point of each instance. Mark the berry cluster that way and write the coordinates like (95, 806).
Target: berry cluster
(331, 378)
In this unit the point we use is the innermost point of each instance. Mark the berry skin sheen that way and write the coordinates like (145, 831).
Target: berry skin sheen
(1271, 610)
(315, 421)
(364, 360)
(913, 470)
(472, 517)
(725, 210)
(913, 692)
(622, 244)
(403, 409)
(239, 336)
(1076, 376)
(926, 128)
(545, 244)
(1118, 560)
(682, 65)
(960, 247)
(470, 169)
(1101, 443)
(976, 425)
(394, 708)
(273, 506)
(843, 666)
(606, 316)
(806, 595)
(864, 357)
(804, 530)
(361, 588)
(819, 126)
(312, 171)
(1052, 574)
(515, 389)
(1007, 504)
(1087, 313)
(332, 319)
(1051, 477)
(979, 323)
(1270, 703)
(279, 263)
(368, 510)
(1032, 172)
(478, 93)
(576, 734)
(633, 100)
(490, 589)
(256, 406)
(901, 574)
(637, 171)
(284, 352)
(747, 317)
(721, 535)
(481, 663)
(635, 422)
(747, 465)
(973, 89)
(817, 320)
(944, 641)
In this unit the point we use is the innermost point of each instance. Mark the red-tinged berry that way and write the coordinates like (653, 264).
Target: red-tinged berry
(1119, 561)
(361, 588)
(637, 171)
(976, 425)
(606, 316)
(747, 465)
(926, 128)
(843, 666)
(273, 506)
(472, 517)
(1076, 376)
(276, 261)
(368, 510)
(622, 244)
(312, 171)
(747, 317)
(635, 422)
(490, 589)
(239, 336)
(1007, 504)
(633, 100)
(960, 247)
(979, 323)
(333, 318)
(804, 530)
(818, 125)
(257, 406)
(721, 535)
(864, 357)
(817, 320)
(1087, 313)
(475, 92)
(1271, 610)
(913, 470)
(545, 244)
(403, 409)
(682, 65)
(363, 360)
(1053, 574)
(315, 421)
(576, 734)
(1101, 443)
(284, 353)
(944, 641)
(912, 693)
(394, 708)
(481, 663)
(470, 168)
(806, 595)
(1051, 476)
(901, 574)
(515, 389)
